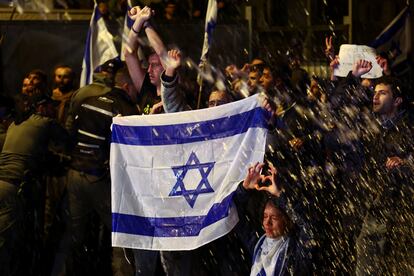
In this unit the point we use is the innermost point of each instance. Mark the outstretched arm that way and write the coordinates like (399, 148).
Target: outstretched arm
(140, 16)
(153, 37)
(329, 48)
(156, 43)
(173, 99)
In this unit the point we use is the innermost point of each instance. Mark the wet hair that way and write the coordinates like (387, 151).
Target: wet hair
(42, 92)
(280, 69)
(41, 74)
(394, 83)
(258, 67)
(148, 51)
(122, 76)
(272, 201)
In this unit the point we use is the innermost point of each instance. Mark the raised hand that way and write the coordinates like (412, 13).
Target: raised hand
(394, 162)
(246, 68)
(273, 189)
(232, 71)
(172, 62)
(383, 63)
(269, 105)
(141, 14)
(157, 108)
(329, 49)
(253, 176)
(334, 63)
(332, 66)
(361, 67)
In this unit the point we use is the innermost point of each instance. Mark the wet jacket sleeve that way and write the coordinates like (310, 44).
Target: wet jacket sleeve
(245, 229)
(173, 99)
(302, 243)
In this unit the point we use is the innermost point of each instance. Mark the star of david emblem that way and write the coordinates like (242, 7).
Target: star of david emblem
(203, 187)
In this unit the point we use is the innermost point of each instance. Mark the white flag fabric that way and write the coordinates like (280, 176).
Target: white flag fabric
(174, 175)
(210, 24)
(395, 39)
(99, 47)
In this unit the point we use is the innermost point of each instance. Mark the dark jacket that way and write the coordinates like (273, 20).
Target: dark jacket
(301, 244)
(92, 129)
(391, 190)
(100, 86)
(26, 146)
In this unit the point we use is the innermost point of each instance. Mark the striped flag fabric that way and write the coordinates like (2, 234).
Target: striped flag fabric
(173, 175)
(99, 47)
(210, 24)
(395, 39)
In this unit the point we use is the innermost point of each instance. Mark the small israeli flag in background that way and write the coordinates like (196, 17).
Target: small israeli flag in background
(173, 175)
(99, 47)
(210, 25)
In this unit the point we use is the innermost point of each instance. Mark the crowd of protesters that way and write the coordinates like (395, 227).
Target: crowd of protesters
(334, 195)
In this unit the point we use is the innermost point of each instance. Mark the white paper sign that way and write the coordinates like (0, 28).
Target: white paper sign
(349, 54)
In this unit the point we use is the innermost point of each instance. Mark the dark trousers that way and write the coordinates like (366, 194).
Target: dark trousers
(87, 194)
(11, 229)
(145, 261)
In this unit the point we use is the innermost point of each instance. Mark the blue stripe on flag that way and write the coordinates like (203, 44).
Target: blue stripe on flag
(129, 21)
(385, 37)
(210, 28)
(87, 56)
(98, 14)
(190, 132)
(170, 227)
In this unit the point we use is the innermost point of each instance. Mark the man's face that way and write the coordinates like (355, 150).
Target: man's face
(154, 69)
(274, 222)
(266, 80)
(31, 83)
(217, 98)
(26, 83)
(170, 9)
(253, 80)
(63, 78)
(383, 101)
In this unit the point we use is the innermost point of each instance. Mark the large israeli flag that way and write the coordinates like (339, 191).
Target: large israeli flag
(99, 47)
(174, 175)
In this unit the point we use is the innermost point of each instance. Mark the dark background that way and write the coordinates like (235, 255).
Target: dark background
(30, 44)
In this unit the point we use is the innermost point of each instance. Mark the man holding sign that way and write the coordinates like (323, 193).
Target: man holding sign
(350, 54)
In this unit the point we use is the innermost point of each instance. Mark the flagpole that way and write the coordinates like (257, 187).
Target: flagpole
(200, 85)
